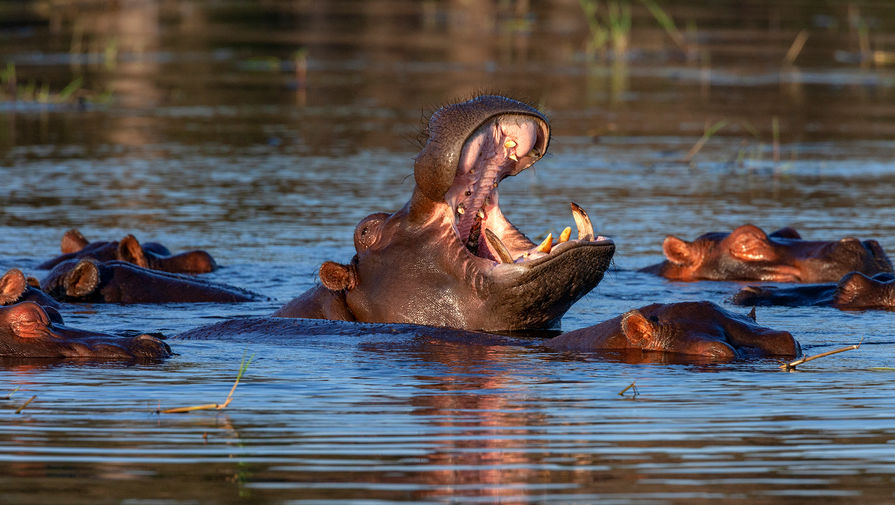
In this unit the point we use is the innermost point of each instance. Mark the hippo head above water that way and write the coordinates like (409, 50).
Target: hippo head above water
(749, 254)
(449, 257)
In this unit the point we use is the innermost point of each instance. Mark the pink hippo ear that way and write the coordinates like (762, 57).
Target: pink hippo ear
(638, 330)
(12, 286)
(337, 277)
(73, 241)
(677, 251)
(82, 280)
(750, 243)
(130, 250)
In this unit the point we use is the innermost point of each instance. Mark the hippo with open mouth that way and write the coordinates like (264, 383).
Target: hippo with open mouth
(450, 257)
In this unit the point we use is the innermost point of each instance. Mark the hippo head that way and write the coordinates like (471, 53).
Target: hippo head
(28, 331)
(449, 257)
(15, 288)
(688, 328)
(858, 291)
(749, 254)
(150, 255)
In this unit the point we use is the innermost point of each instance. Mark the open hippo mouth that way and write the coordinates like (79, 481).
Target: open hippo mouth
(504, 146)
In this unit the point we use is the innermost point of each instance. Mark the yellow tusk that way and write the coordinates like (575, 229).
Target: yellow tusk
(547, 244)
(513, 157)
(509, 144)
(564, 236)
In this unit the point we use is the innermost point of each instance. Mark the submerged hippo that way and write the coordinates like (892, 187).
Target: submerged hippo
(691, 328)
(89, 280)
(27, 331)
(855, 291)
(150, 255)
(699, 330)
(449, 257)
(15, 288)
(749, 254)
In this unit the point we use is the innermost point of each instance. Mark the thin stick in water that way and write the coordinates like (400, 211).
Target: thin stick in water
(792, 365)
(20, 409)
(219, 406)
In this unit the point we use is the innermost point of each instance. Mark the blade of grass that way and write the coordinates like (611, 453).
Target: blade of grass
(709, 132)
(219, 406)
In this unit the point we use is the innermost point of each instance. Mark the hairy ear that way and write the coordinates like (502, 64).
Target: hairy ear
(678, 251)
(129, 250)
(73, 241)
(82, 280)
(12, 286)
(638, 330)
(750, 243)
(337, 277)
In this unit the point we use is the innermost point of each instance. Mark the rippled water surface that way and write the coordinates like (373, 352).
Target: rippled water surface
(263, 133)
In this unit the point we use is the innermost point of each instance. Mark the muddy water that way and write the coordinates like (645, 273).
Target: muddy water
(199, 129)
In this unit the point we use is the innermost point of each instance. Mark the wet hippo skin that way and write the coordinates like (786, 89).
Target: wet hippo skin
(855, 291)
(749, 254)
(688, 330)
(27, 331)
(150, 255)
(449, 257)
(89, 280)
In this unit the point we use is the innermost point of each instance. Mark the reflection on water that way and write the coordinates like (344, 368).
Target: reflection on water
(264, 132)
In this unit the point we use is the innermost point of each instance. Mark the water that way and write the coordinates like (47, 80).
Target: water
(212, 140)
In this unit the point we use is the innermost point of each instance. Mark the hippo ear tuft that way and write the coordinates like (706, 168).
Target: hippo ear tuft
(637, 329)
(12, 286)
(82, 280)
(129, 250)
(73, 241)
(678, 251)
(752, 315)
(337, 277)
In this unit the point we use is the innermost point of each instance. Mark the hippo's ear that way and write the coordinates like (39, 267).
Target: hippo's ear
(73, 241)
(337, 277)
(12, 286)
(129, 250)
(638, 330)
(82, 280)
(787, 232)
(678, 251)
(750, 243)
(852, 287)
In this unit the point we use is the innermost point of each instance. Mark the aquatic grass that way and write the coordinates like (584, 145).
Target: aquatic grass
(709, 132)
(9, 395)
(609, 24)
(35, 92)
(667, 24)
(796, 48)
(243, 366)
(793, 364)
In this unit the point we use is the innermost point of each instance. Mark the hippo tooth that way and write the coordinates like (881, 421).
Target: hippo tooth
(564, 236)
(509, 144)
(547, 244)
(513, 157)
(585, 228)
(502, 252)
(480, 214)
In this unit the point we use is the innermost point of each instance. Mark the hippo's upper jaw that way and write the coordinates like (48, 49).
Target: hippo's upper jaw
(450, 257)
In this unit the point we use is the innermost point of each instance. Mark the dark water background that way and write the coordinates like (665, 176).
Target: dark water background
(263, 132)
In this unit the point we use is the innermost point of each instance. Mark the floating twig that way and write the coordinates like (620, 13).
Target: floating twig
(20, 409)
(632, 386)
(792, 365)
(219, 406)
(9, 396)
